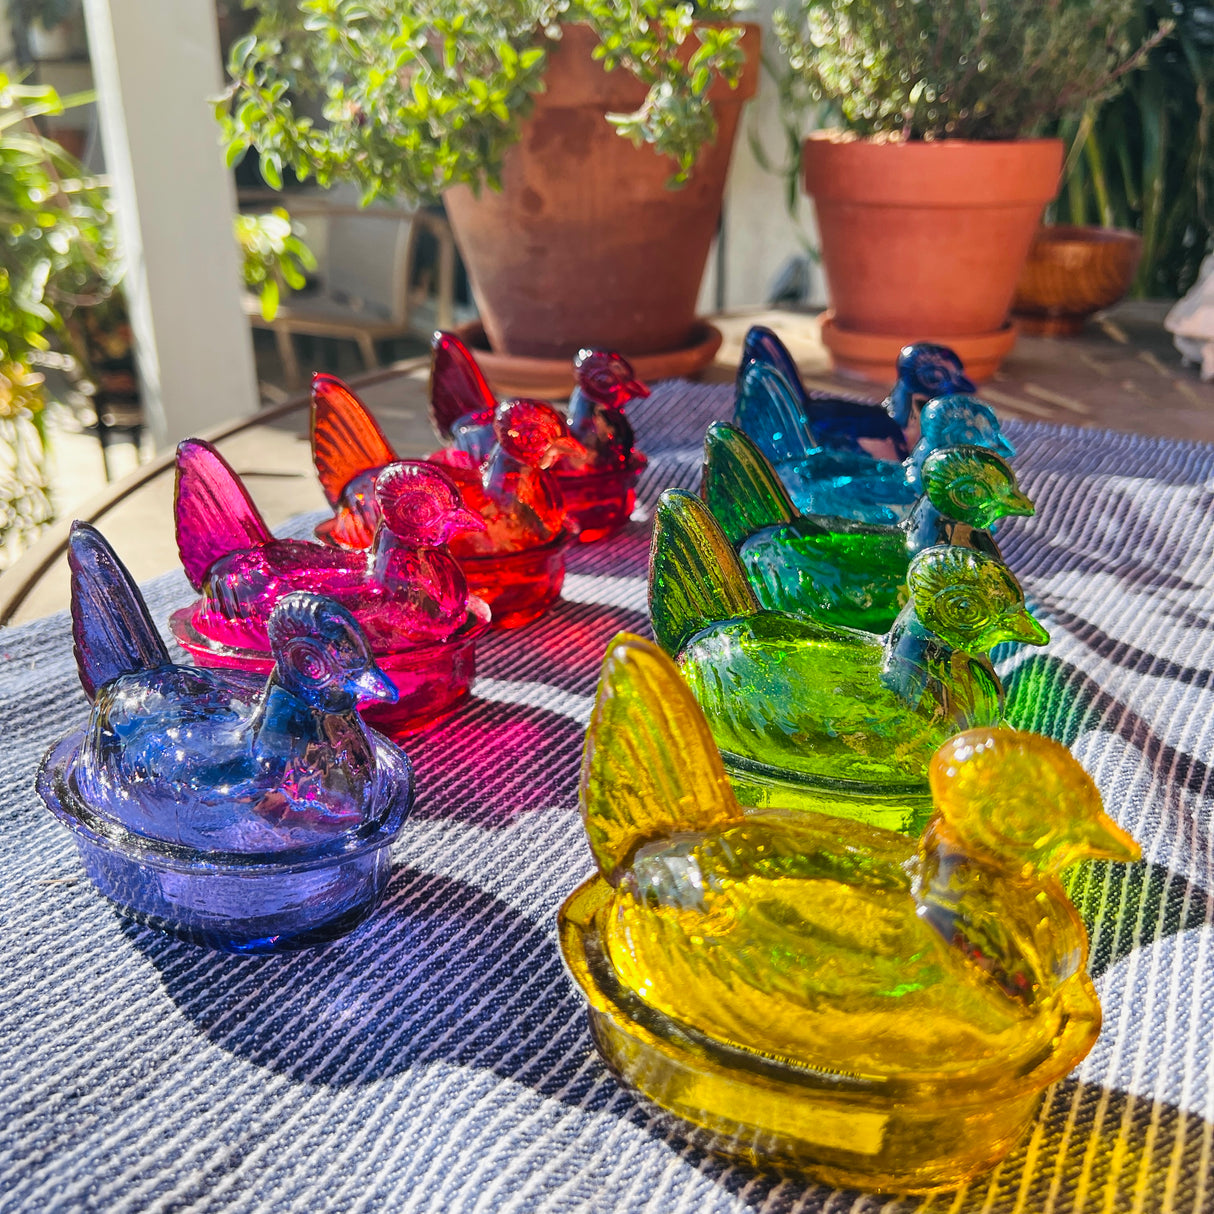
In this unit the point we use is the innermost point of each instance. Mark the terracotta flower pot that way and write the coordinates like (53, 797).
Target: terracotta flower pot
(924, 242)
(1072, 272)
(585, 245)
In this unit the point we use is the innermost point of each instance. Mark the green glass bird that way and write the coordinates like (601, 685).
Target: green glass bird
(879, 1010)
(792, 700)
(836, 569)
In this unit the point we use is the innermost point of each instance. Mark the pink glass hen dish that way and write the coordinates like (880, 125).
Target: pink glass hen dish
(407, 592)
(598, 483)
(517, 561)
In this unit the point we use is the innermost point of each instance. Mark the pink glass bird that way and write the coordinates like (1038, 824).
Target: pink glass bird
(605, 385)
(406, 589)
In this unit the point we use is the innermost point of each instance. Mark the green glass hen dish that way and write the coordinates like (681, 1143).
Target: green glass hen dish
(800, 708)
(880, 1011)
(836, 569)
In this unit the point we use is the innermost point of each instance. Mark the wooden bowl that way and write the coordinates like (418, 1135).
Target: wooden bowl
(1072, 272)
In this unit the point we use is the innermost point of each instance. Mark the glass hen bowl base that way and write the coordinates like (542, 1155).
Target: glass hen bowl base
(917, 1133)
(519, 586)
(430, 678)
(600, 502)
(905, 808)
(240, 902)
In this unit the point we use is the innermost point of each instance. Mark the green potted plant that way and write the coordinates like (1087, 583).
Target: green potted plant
(531, 119)
(929, 195)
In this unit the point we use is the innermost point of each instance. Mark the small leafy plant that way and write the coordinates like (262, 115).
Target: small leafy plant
(407, 99)
(961, 69)
(274, 256)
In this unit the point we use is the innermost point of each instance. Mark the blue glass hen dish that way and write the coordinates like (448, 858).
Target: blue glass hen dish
(248, 814)
(826, 448)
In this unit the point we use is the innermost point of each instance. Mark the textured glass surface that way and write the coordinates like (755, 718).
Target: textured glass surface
(188, 783)
(876, 1009)
(821, 701)
(837, 569)
(406, 589)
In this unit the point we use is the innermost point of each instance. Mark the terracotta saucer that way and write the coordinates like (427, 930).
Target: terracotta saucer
(872, 356)
(552, 378)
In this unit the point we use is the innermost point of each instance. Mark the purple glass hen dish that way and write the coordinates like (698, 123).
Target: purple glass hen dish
(406, 591)
(249, 814)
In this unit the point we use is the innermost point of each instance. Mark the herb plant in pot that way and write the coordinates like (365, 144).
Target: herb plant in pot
(929, 196)
(581, 148)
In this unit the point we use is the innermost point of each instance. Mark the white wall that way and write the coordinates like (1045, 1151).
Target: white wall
(760, 235)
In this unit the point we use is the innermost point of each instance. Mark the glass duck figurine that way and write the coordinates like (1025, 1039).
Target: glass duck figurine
(518, 564)
(879, 1011)
(598, 484)
(837, 570)
(848, 483)
(924, 371)
(407, 591)
(795, 704)
(249, 813)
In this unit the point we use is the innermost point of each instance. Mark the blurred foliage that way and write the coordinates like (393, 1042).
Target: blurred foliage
(408, 98)
(1145, 158)
(274, 256)
(961, 69)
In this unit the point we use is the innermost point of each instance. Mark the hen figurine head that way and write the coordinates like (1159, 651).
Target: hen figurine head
(930, 370)
(1000, 790)
(970, 600)
(973, 485)
(534, 433)
(955, 419)
(421, 505)
(607, 378)
(321, 655)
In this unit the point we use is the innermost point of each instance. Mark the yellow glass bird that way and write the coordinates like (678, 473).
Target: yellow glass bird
(879, 1010)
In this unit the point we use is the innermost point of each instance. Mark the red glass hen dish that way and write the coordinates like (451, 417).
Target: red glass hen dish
(406, 590)
(516, 562)
(599, 484)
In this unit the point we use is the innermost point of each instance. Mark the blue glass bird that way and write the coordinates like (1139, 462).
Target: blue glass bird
(212, 758)
(925, 371)
(851, 483)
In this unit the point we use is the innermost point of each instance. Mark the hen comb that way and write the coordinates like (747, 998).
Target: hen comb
(457, 386)
(214, 513)
(346, 439)
(112, 630)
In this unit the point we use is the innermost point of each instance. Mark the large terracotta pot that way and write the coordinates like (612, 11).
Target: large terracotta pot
(585, 245)
(924, 242)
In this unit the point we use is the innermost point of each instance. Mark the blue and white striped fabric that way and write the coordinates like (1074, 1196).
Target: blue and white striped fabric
(439, 1058)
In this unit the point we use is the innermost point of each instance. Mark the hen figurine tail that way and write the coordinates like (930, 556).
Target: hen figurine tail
(112, 630)
(650, 768)
(772, 412)
(695, 578)
(346, 439)
(742, 489)
(215, 514)
(457, 386)
(763, 346)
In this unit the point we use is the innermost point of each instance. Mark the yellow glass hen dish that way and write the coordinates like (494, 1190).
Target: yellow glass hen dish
(880, 1011)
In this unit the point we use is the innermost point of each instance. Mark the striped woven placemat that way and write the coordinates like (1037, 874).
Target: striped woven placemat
(439, 1059)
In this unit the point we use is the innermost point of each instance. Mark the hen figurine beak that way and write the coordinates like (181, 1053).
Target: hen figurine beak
(634, 388)
(963, 386)
(462, 520)
(565, 445)
(1017, 503)
(1107, 841)
(1024, 628)
(372, 684)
